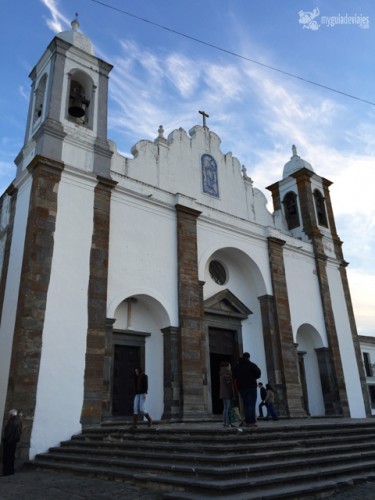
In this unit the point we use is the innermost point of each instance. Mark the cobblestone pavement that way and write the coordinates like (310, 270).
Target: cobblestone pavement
(46, 485)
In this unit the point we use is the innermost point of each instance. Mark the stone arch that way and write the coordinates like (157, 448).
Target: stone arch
(232, 310)
(80, 96)
(39, 99)
(136, 338)
(309, 341)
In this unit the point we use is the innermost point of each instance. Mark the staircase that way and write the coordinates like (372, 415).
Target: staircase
(277, 460)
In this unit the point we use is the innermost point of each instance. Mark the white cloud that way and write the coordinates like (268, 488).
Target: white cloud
(58, 21)
(183, 73)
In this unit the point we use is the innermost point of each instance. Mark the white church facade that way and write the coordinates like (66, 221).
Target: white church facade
(169, 260)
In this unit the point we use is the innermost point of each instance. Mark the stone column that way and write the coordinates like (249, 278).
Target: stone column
(349, 306)
(33, 289)
(191, 318)
(328, 380)
(282, 341)
(95, 393)
(107, 371)
(310, 227)
(172, 373)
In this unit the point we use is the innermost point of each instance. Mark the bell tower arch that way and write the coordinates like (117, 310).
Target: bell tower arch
(67, 119)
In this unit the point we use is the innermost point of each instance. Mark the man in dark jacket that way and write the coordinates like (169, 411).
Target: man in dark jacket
(246, 374)
(11, 436)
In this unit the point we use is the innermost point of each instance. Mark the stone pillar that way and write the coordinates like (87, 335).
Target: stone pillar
(282, 341)
(191, 318)
(172, 373)
(33, 289)
(272, 351)
(95, 393)
(107, 371)
(310, 227)
(349, 306)
(328, 380)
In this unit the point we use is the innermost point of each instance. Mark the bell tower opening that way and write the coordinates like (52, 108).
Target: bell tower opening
(79, 97)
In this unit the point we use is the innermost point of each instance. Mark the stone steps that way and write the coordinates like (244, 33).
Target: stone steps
(198, 462)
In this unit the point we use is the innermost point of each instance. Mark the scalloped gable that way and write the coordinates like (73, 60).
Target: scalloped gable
(174, 164)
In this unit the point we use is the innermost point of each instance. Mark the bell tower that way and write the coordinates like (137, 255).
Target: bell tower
(55, 284)
(302, 202)
(68, 106)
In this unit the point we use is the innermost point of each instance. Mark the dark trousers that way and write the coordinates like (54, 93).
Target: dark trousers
(260, 407)
(9, 457)
(249, 398)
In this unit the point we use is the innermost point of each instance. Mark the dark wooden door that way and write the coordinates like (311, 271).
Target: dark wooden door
(221, 349)
(126, 359)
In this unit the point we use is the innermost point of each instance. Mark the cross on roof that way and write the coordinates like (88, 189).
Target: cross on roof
(204, 115)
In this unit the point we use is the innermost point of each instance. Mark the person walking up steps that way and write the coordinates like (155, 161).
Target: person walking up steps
(141, 388)
(227, 392)
(270, 399)
(246, 374)
(263, 394)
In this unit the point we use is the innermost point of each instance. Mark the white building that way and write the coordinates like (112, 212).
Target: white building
(169, 260)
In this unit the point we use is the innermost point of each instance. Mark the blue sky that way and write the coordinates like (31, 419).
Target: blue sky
(161, 77)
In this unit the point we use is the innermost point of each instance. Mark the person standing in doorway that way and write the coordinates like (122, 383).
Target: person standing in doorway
(11, 436)
(227, 392)
(263, 394)
(246, 374)
(141, 389)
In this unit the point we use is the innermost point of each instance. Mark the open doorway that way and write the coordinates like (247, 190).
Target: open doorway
(222, 348)
(126, 360)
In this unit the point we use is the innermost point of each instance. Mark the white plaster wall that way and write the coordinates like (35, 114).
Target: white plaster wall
(246, 261)
(143, 254)
(60, 383)
(349, 362)
(308, 340)
(143, 264)
(178, 163)
(304, 294)
(8, 315)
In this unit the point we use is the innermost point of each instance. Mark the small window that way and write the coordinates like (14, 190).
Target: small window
(368, 366)
(371, 389)
(291, 210)
(217, 272)
(39, 98)
(320, 208)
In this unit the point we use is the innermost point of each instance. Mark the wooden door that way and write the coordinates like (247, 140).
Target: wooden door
(221, 349)
(126, 359)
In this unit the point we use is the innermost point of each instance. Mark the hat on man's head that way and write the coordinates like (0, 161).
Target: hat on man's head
(246, 355)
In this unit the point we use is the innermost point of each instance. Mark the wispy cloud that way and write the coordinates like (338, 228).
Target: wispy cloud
(57, 22)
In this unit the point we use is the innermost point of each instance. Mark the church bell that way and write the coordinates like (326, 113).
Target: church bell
(77, 109)
(78, 102)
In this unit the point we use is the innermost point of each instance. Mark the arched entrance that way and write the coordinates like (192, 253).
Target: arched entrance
(224, 314)
(135, 339)
(309, 341)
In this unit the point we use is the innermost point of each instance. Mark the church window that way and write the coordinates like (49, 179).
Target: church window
(320, 208)
(209, 175)
(371, 389)
(367, 363)
(39, 99)
(291, 210)
(217, 272)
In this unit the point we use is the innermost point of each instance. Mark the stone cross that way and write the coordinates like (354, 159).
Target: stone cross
(205, 115)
